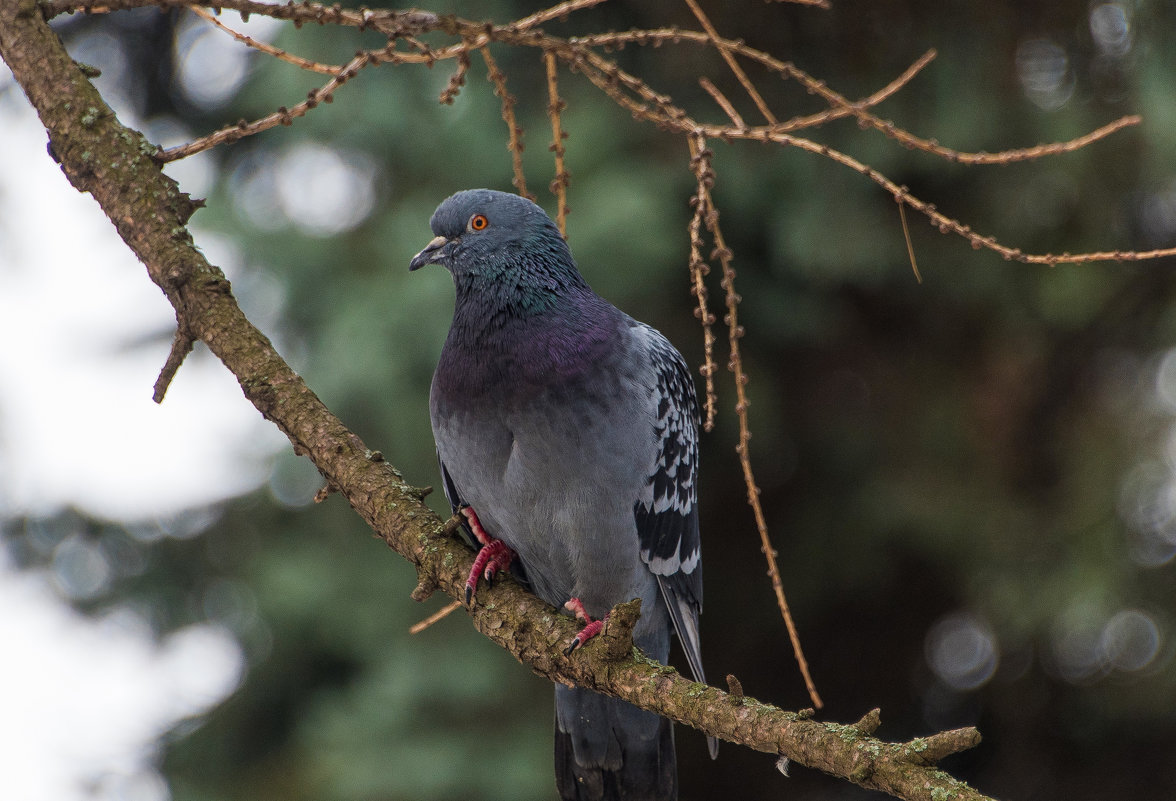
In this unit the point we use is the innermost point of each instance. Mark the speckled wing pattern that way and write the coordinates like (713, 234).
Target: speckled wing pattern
(667, 510)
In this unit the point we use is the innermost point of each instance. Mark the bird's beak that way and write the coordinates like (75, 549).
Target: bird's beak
(430, 255)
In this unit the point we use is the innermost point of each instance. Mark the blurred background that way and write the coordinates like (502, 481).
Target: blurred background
(969, 480)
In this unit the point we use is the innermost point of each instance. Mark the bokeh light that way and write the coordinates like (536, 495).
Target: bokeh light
(320, 189)
(212, 65)
(80, 569)
(1158, 213)
(104, 52)
(962, 650)
(1088, 643)
(1110, 25)
(1044, 71)
(1130, 640)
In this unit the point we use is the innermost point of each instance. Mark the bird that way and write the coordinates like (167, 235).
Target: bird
(567, 436)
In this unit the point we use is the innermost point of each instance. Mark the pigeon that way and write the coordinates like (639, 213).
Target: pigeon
(567, 435)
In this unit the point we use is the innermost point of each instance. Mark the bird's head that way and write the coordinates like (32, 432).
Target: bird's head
(497, 236)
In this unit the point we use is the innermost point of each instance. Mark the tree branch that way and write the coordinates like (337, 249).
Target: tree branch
(634, 95)
(117, 166)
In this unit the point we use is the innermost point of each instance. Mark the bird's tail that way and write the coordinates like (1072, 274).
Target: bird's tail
(609, 750)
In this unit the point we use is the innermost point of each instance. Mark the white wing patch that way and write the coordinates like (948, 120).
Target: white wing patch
(666, 506)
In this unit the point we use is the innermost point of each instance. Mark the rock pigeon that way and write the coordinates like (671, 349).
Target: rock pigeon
(567, 433)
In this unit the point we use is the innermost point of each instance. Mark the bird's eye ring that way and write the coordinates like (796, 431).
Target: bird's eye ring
(479, 222)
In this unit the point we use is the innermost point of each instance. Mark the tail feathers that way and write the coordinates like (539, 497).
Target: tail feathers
(684, 615)
(609, 750)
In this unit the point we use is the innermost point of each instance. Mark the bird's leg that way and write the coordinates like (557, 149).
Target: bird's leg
(493, 556)
(591, 627)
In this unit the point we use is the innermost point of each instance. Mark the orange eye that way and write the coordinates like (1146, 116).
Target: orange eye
(478, 222)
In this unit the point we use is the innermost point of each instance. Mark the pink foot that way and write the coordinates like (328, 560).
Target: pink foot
(591, 627)
(493, 556)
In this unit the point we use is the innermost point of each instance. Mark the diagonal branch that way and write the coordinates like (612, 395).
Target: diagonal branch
(700, 161)
(837, 112)
(555, 12)
(268, 49)
(642, 101)
(116, 166)
(282, 116)
(725, 52)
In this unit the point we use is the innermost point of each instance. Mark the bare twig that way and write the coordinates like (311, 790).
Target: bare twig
(947, 224)
(700, 165)
(645, 103)
(457, 79)
(842, 107)
(906, 232)
(555, 12)
(268, 49)
(642, 101)
(723, 102)
(555, 107)
(182, 344)
(515, 132)
(731, 62)
(282, 116)
(838, 112)
(735, 365)
(1029, 153)
(436, 617)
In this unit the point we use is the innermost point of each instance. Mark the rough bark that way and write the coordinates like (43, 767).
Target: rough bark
(117, 166)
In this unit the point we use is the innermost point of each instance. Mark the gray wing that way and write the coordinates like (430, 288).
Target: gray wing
(667, 511)
(451, 493)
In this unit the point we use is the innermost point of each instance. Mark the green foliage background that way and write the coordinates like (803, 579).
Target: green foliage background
(980, 444)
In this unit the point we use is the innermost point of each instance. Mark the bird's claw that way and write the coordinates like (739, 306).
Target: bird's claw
(493, 556)
(475, 525)
(591, 627)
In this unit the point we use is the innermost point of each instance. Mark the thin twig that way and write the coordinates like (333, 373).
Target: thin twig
(947, 225)
(515, 144)
(906, 232)
(437, 616)
(700, 165)
(555, 12)
(559, 186)
(456, 80)
(276, 52)
(615, 82)
(1031, 153)
(723, 102)
(1003, 157)
(848, 108)
(608, 77)
(902, 80)
(734, 334)
(838, 112)
(282, 116)
(658, 108)
(182, 344)
(731, 62)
